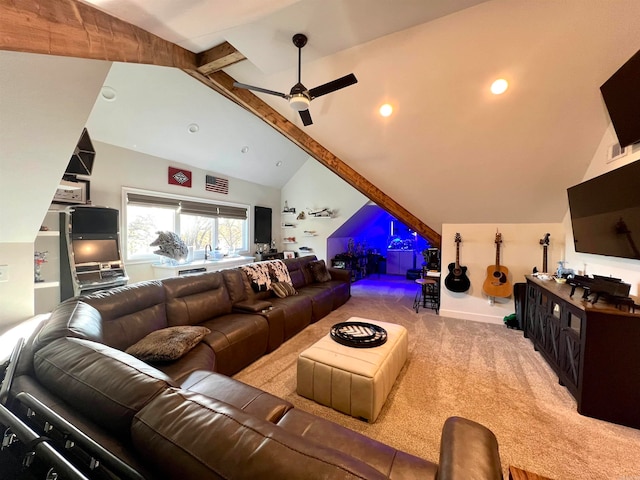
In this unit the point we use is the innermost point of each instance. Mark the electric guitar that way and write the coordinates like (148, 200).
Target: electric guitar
(457, 280)
(545, 245)
(497, 282)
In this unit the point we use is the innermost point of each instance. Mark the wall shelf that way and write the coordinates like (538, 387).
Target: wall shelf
(48, 233)
(40, 285)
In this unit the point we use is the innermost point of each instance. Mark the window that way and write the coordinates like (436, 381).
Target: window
(199, 223)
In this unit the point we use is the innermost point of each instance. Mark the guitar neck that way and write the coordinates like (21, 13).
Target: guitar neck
(544, 259)
(497, 256)
(457, 255)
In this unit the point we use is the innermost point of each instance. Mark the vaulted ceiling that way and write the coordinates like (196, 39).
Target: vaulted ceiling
(450, 153)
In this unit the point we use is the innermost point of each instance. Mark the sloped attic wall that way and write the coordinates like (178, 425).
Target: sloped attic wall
(44, 104)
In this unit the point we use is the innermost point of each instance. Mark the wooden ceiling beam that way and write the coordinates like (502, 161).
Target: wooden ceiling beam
(74, 29)
(223, 84)
(218, 57)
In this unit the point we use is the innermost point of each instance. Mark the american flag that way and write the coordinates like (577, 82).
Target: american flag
(217, 184)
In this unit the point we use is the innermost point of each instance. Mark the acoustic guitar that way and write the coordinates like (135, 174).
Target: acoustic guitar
(457, 280)
(497, 283)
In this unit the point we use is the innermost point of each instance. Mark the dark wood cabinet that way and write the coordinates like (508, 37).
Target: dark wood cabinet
(593, 348)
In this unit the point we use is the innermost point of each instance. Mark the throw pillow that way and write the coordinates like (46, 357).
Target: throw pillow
(319, 271)
(167, 344)
(283, 289)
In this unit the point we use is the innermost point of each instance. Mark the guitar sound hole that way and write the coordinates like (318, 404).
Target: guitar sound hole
(497, 274)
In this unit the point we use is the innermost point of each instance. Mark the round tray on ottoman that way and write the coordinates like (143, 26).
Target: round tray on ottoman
(358, 334)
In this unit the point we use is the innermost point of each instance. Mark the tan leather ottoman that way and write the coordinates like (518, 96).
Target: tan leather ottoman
(355, 381)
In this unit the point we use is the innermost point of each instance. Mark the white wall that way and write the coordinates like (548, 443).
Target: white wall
(116, 167)
(312, 188)
(625, 269)
(520, 251)
(44, 104)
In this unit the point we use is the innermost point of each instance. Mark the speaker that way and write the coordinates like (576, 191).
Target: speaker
(262, 224)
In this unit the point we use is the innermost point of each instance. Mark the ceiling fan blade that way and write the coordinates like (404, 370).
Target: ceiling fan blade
(305, 115)
(333, 86)
(259, 89)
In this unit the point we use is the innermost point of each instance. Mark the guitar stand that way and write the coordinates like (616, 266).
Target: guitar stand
(428, 294)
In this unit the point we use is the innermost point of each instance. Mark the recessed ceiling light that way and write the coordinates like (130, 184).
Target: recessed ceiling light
(193, 128)
(108, 93)
(279, 163)
(244, 149)
(386, 110)
(499, 86)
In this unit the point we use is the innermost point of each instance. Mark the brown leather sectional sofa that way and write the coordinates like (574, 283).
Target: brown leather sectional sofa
(187, 419)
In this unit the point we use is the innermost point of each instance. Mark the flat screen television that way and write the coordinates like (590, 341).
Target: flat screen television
(605, 213)
(94, 221)
(99, 251)
(262, 225)
(621, 94)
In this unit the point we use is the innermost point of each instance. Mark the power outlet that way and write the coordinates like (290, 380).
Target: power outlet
(4, 273)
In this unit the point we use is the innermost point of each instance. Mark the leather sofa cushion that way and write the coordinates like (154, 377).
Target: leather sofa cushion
(192, 299)
(296, 272)
(231, 444)
(297, 310)
(104, 384)
(234, 279)
(129, 313)
(321, 300)
(394, 463)
(249, 399)
(201, 357)
(70, 319)
(237, 339)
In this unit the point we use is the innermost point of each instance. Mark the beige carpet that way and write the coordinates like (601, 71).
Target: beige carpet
(484, 372)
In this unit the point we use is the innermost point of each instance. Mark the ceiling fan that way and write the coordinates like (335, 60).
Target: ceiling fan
(299, 98)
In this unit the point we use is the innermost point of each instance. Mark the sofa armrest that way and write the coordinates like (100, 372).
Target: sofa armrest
(468, 450)
(273, 315)
(252, 306)
(342, 274)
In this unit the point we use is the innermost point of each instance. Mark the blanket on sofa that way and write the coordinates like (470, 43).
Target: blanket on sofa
(262, 274)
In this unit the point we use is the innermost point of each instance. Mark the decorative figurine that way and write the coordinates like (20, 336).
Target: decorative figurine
(170, 245)
(38, 259)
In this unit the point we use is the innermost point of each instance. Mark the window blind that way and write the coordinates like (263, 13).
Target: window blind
(213, 210)
(189, 207)
(151, 201)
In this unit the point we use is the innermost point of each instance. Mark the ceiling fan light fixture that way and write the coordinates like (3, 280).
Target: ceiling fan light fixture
(299, 102)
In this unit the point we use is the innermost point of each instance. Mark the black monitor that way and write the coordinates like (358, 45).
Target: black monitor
(94, 221)
(605, 213)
